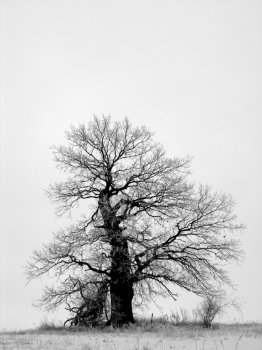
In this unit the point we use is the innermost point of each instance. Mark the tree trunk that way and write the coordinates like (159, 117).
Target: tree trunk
(121, 284)
(121, 288)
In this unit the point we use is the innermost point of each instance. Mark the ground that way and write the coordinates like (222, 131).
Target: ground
(145, 337)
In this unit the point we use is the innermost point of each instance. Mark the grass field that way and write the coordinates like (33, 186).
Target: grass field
(138, 337)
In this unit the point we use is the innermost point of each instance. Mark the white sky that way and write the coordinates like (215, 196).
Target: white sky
(189, 70)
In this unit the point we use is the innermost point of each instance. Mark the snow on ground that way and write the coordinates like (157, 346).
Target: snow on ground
(239, 338)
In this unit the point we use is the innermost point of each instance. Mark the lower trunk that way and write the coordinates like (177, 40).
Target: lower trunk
(121, 304)
(121, 288)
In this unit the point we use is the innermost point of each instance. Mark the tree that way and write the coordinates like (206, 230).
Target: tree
(215, 305)
(148, 229)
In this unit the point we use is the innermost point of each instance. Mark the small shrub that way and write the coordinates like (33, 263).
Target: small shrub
(213, 306)
(180, 317)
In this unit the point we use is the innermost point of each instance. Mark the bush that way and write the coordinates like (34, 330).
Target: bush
(180, 317)
(213, 306)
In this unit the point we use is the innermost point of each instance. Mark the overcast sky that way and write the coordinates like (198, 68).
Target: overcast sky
(189, 70)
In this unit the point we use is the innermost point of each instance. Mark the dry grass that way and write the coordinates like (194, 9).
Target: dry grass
(141, 336)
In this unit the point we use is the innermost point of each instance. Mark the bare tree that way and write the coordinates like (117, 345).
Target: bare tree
(148, 228)
(215, 305)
